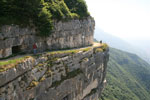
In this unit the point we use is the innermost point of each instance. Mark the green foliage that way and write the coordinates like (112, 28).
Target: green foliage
(69, 52)
(39, 13)
(78, 6)
(5, 65)
(8, 63)
(128, 77)
(59, 10)
(103, 47)
(44, 22)
(98, 50)
(32, 84)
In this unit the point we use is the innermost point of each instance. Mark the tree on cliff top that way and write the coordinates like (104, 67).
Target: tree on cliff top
(41, 13)
(78, 6)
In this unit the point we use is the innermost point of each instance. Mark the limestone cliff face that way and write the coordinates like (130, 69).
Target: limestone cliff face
(75, 74)
(70, 34)
(66, 75)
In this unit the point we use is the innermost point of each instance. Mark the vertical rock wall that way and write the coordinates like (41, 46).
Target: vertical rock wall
(69, 75)
(70, 34)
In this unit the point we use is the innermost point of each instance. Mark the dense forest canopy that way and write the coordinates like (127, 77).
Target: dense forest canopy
(41, 13)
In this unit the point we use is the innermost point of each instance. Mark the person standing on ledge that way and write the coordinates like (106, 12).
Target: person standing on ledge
(100, 41)
(34, 48)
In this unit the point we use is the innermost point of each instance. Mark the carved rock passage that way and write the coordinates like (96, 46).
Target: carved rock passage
(70, 34)
(65, 76)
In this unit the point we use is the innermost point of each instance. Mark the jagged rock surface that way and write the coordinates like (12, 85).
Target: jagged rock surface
(66, 76)
(70, 34)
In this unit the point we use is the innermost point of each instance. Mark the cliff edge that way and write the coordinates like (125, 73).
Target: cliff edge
(77, 74)
(71, 34)
(67, 65)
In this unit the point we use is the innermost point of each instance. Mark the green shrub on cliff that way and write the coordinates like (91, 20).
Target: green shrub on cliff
(40, 13)
(78, 6)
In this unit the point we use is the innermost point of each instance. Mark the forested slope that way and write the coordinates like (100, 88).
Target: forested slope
(128, 77)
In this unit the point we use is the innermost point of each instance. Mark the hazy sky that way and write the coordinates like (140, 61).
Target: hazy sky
(129, 19)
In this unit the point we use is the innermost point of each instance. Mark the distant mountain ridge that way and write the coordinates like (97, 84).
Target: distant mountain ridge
(118, 43)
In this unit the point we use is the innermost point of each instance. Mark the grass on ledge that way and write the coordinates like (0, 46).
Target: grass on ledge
(70, 51)
(7, 64)
(12, 63)
(102, 48)
(32, 85)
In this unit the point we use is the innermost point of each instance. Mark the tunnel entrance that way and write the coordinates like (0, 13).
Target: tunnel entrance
(66, 98)
(16, 49)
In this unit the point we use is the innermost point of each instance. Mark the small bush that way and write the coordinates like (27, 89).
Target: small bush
(32, 84)
(104, 46)
(98, 50)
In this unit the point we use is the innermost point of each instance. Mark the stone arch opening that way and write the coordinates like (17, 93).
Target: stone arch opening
(16, 49)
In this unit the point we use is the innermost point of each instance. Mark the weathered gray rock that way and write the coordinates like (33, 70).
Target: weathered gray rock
(71, 34)
(78, 76)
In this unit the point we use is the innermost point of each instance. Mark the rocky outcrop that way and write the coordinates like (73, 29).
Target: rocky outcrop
(70, 34)
(63, 75)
